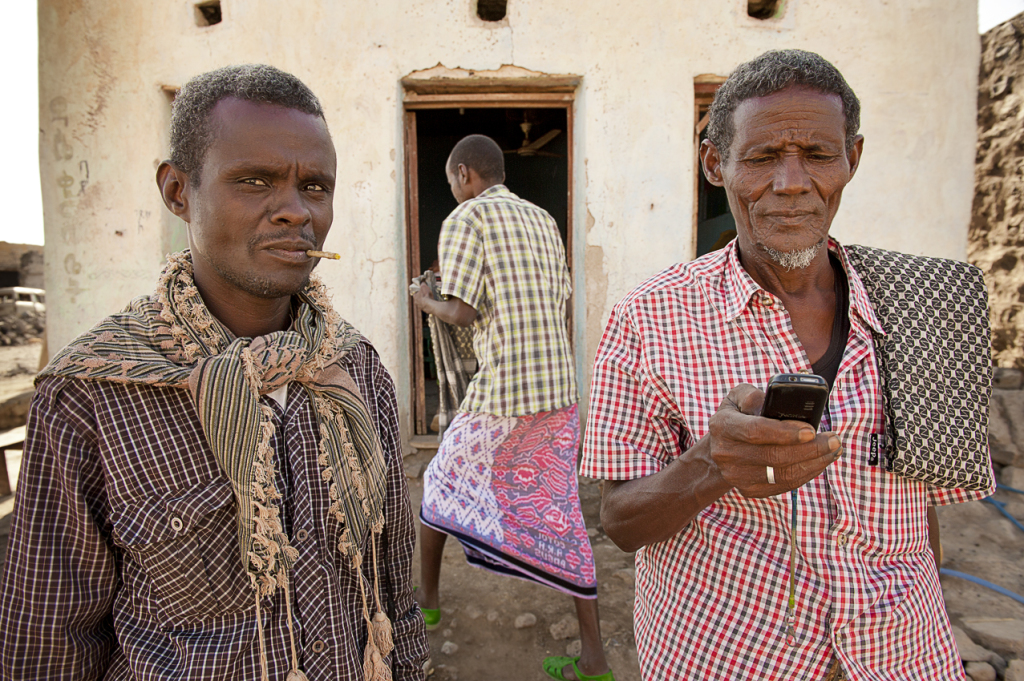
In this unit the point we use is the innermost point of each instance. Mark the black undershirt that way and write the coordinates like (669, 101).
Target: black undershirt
(828, 366)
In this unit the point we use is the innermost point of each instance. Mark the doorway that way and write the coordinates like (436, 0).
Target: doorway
(434, 123)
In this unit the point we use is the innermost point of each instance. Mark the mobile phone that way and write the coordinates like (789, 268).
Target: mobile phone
(796, 397)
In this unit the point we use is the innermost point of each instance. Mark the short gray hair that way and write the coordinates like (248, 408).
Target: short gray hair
(769, 73)
(191, 133)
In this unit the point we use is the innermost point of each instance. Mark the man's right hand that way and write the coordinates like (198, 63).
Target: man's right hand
(734, 454)
(743, 445)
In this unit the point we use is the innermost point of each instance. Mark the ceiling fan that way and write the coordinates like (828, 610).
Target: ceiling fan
(528, 148)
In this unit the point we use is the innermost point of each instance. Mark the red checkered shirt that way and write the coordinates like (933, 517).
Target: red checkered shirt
(711, 601)
(123, 560)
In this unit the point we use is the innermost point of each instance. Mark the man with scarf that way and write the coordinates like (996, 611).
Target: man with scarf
(211, 485)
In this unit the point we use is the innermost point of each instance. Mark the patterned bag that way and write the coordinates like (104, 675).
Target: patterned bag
(935, 362)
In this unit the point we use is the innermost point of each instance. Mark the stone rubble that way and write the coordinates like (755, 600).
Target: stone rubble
(23, 327)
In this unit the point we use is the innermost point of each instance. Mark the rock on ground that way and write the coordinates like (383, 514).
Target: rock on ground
(1003, 635)
(567, 627)
(981, 671)
(1015, 671)
(969, 650)
(527, 619)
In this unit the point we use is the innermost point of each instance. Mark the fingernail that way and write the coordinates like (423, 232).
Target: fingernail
(833, 442)
(806, 435)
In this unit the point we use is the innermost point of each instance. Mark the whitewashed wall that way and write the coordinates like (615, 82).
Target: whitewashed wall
(102, 66)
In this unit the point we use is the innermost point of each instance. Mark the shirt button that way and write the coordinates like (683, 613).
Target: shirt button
(176, 524)
(301, 535)
(767, 301)
(842, 539)
(319, 647)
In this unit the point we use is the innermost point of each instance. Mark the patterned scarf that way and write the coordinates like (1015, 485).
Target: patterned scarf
(170, 339)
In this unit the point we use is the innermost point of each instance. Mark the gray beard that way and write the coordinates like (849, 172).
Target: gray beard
(794, 260)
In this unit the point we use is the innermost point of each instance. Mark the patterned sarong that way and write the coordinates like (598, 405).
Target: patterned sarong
(506, 488)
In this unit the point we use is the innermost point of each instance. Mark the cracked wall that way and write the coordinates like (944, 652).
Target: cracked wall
(103, 118)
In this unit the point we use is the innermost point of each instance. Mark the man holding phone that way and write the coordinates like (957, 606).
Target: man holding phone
(736, 578)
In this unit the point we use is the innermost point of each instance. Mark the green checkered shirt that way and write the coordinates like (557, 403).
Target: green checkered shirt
(504, 256)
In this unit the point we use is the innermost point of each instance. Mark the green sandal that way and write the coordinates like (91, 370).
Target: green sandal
(431, 618)
(553, 667)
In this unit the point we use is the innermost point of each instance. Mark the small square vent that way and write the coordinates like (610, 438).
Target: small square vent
(208, 13)
(765, 9)
(491, 10)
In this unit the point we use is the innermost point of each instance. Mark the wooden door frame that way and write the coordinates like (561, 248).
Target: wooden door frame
(543, 92)
(704, 88)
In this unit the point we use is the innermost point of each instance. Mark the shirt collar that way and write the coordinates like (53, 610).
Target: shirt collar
(740, 287)
(493, 190)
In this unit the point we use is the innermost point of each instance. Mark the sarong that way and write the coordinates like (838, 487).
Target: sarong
(506, 488)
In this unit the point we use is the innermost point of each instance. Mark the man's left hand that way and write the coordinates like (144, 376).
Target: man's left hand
(420, 293)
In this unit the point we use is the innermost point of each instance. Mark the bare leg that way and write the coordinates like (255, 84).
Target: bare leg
(592, 660)
(431, 551)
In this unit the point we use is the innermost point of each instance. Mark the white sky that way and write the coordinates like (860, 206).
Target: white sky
(19, 173)
(22, 221)
(994, 12)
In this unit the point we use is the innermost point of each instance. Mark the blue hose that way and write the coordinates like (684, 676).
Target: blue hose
(982, 582)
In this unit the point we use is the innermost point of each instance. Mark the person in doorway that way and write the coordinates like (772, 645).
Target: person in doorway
(737, 577)
(212, 484)
(503, 481)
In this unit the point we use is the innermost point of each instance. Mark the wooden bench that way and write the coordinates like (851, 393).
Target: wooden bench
(9, 439)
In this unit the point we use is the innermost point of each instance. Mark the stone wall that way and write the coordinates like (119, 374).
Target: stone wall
(995, 241)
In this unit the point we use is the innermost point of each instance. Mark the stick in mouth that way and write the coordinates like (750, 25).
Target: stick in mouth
(323, 254)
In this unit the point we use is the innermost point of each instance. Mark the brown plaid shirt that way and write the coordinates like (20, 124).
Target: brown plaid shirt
(124, 560)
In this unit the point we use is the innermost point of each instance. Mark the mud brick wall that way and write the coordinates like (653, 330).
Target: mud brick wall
(995, 238)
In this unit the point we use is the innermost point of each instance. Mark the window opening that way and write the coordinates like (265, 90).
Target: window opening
(765, 9)
(208, 13)
(491, 10)
(714, 225)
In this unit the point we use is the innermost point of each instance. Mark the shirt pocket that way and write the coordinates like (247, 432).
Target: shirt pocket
(187, 548)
